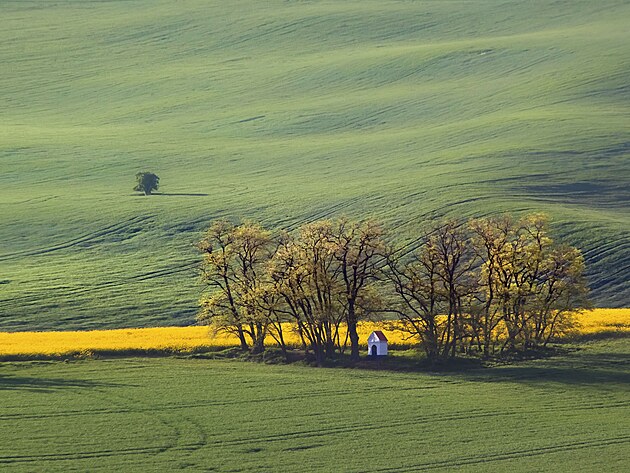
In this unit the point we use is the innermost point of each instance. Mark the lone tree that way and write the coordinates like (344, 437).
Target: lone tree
(147, 182)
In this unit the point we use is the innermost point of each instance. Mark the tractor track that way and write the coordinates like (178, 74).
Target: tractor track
(515, 454)
(83, 239)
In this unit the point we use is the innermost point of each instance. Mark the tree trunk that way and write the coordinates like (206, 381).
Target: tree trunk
(281, 342)
(351, 322)
(258, 343)
(259, 346)
(320, 354)
(354, 341)
(241, 337)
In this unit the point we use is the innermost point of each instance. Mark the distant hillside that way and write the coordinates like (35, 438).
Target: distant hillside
(288, 111)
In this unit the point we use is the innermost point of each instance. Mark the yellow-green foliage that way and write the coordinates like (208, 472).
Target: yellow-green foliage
(187, 339)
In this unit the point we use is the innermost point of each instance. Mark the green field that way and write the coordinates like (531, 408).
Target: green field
(289, 111)
(568, 413)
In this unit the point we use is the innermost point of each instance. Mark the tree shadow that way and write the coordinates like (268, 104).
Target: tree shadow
(564, 365)
(575, 369)
(180, 194)
(533, 375)
(171, 194)
(36, 384)
(612, 334)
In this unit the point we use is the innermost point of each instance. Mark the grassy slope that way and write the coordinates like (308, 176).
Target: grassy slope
(568, 413)
(286, 111)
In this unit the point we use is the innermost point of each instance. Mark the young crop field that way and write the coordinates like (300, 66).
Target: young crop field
(286, 112)
(565, 413)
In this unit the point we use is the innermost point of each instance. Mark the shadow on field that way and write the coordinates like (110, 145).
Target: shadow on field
(575, 369)
(172, 194)
(18, 383)
(568, 365)
(612, 334)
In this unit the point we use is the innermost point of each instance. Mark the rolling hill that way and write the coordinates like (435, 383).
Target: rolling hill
(288, 111)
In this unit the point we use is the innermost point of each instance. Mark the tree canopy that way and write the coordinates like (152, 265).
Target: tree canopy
(146, 182)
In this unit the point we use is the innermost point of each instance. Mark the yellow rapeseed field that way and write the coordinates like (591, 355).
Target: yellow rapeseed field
(604, 320)
(174, 339)
(188, 339)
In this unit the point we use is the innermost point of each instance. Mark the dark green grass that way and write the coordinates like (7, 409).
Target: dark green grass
(564, 413)
(287, 112)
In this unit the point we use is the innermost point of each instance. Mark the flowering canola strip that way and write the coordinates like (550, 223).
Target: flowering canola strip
(199, 338)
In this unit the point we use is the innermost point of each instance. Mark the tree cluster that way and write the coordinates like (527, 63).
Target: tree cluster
(317, 279)
(487, 286)
(483, 286)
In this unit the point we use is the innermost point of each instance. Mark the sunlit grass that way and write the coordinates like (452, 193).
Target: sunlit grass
(568, 413)
(200, 338)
